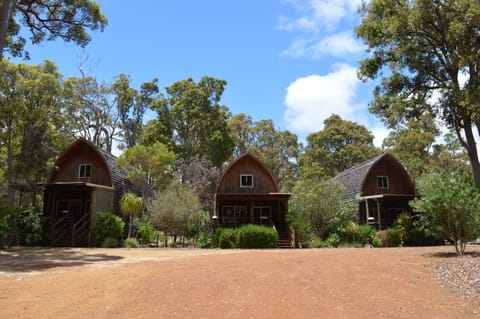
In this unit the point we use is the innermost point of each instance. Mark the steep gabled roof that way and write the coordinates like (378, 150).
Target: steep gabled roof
(116, 174)
(353, 178)
(255, 159)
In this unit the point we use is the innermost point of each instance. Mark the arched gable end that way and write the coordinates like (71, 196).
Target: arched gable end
(81, 153)
(387, 176)
(247, 174)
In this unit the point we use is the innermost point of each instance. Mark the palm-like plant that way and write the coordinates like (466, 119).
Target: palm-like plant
(131, 205)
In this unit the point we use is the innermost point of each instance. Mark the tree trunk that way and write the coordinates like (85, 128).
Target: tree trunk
(6, 12)
(472, 152)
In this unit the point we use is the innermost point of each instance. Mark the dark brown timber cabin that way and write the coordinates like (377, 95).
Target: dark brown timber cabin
(85, 180)
(248, 194)
(383, 188)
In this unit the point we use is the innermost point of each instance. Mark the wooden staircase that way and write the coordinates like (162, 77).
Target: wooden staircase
(284, 240)
(66, 234)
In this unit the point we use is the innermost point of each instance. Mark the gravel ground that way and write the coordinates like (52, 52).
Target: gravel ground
(462, 274)
(190, 283)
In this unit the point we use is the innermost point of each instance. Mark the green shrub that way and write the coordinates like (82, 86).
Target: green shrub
(333, 240)
(422, 237)
(130, 243)
(31, 222)
(256, 236)
(110, 242)
(377, 242)
(145, 231)
(204, 240)
(404, 225)
(107, 226)
(352, 230)
(365, 231)
(3, 232)
(393, 238)
(227, 238)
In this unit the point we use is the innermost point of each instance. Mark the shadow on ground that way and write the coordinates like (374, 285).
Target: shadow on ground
(38, 259)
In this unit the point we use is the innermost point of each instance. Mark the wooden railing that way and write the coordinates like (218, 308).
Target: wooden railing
(60, 229)
(80, 229)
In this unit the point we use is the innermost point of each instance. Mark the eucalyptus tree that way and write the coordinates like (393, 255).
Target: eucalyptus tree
(93, 115)
(340, 145)
(412, 144)
(31, 121)
(47, 20)
(278, 150)
(131, 106)
(426, 55)
(149, 168)
(197, 122)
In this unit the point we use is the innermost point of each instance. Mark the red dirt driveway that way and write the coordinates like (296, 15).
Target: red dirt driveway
(191, 283)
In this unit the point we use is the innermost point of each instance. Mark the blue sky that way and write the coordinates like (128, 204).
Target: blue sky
(292, 61)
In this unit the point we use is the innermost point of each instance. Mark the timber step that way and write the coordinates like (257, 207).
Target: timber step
(283, 242)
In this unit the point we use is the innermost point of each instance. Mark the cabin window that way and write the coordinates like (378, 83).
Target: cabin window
(382, 181)
(261, 215)
(85, 170)
(246, 180)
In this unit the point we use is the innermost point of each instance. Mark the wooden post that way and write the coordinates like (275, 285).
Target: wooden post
(379, 217)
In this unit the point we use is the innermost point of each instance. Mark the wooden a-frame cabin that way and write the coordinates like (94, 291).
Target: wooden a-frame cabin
(249, 194)
(85, 180)
(382, 187)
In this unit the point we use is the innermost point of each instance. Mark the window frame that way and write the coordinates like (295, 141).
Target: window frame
(382, 182)
(247, 178)
(86, 168)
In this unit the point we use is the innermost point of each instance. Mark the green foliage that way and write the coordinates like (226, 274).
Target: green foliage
(419, 51)
(49, 20)
(256, 236)
(204, 240)
(322, 205)
(3, 232)
(422, 237)
(30, 226)
(299, 222)
(130, 243)
(108, 227)
(145, 230)
(333, 240)
(197, 123)
(393, 237)
(377, 242)
(450, 203)
(198, 223)
(171, 209)
(365, 231)
(404, 225)
(352, 229)
(227, 238)
(32, 120)
(340, 145)
(149, 167)
(131, 205)
(278, 150)
(110, 242)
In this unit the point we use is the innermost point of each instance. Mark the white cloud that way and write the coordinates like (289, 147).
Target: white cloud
(380, 132)
(312, 99)
(337, 45)
(322, 27)
(316, 15)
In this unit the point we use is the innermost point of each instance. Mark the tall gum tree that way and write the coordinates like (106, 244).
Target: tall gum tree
(427, 55)
(47, 20)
